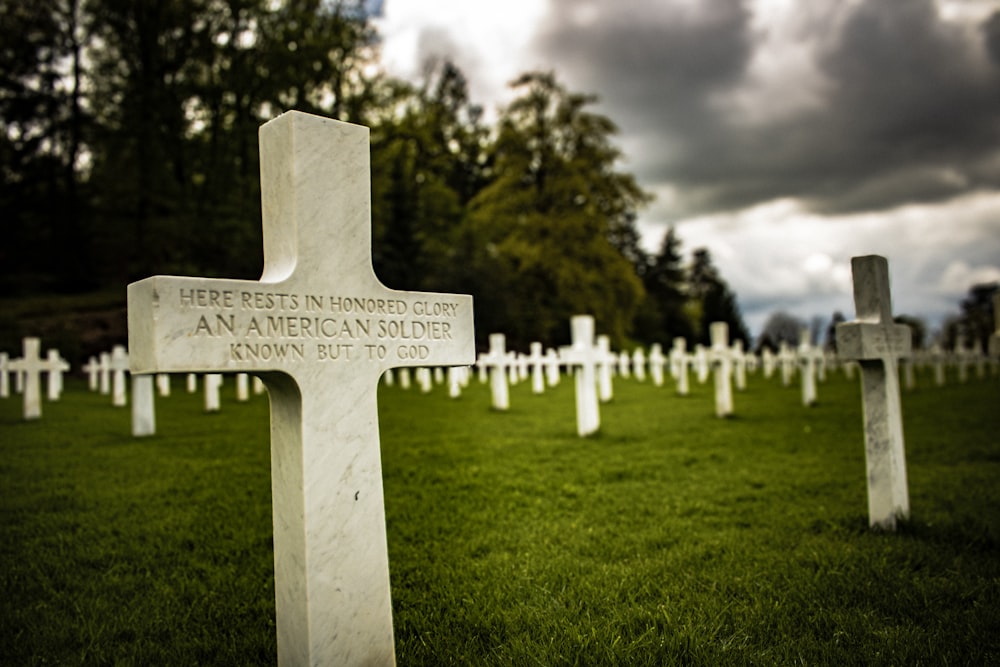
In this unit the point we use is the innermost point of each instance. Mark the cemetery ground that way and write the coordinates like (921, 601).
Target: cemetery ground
(671, 537)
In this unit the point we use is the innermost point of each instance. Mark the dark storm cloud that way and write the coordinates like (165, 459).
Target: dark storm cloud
(908, 109)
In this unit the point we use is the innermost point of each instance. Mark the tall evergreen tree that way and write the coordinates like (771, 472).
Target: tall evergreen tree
(662, 315)
(710, 300)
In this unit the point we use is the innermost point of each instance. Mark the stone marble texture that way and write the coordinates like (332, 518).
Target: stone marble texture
(876, 343)
(320, 329)
(143, 406)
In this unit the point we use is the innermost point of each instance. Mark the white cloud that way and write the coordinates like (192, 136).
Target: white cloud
(779, 256)
(487, 40)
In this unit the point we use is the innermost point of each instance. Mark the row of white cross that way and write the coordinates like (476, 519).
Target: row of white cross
(321, 329)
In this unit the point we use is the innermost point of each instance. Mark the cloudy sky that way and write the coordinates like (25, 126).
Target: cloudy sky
(785, 136)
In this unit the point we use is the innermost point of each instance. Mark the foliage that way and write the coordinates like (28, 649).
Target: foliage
(129, 145)
(710, 300)
(662, 315)
(544, 227)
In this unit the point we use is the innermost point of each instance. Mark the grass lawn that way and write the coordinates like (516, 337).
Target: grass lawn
(672, 537)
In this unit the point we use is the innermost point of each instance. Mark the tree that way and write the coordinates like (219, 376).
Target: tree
(427, 163)
(543, 230)
(918, 329)
(782, 327)
(42, 127)
(977, 319)
(831, 330)
(662, 316)
(710, 300)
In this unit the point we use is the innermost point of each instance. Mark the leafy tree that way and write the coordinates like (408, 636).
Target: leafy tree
(543, 230)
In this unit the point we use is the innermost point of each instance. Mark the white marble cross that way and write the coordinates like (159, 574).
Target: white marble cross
(537, 363)
(320, 329)
(807, 368)
(4, 375)
(118, 365)
(30, 366)
(497, 362)
(143, 406)
(606, 361)
(723, 368)
(582, 356)
(639, 364)
(92, 368)
(57, 366)
(739, 357)
(242, 387)
(876, 343)
(657, 361)
(786, 360)
(551, 367)
(104, 373)
(212, 385)
(679, 362)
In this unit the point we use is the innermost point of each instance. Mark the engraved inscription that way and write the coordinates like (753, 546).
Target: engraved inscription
(265, 326)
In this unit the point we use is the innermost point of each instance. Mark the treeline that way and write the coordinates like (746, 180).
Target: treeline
(129, 148)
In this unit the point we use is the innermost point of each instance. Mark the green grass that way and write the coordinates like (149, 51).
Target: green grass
(672, 537)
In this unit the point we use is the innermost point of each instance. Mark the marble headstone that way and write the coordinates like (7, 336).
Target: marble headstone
(320, 329)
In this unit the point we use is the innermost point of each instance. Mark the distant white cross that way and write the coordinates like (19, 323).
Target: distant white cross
(582, 355)
(876, 343)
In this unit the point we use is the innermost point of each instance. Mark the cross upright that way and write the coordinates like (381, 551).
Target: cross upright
(119, 364)
(4, 375)
(497, 362)
(657, 361)
(537, 362)
(31, 366)
(876, 343)
(606, 361)
(583, 356)
(57, 366)
(91, 368)
(723, 368)
(807, 362)
(679, 362)
(320, 329)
